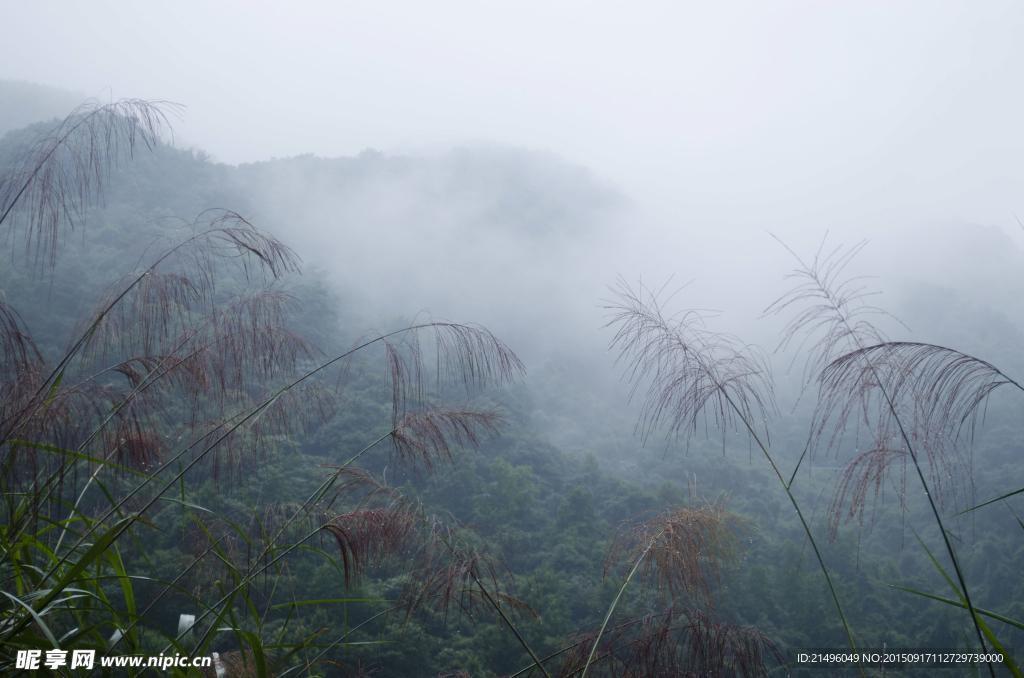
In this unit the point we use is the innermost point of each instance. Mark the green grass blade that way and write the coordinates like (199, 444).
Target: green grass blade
(991, 501)
(298, 647)
(1008, 661)
(957, 603)
(90, 556)
(256, 645)
(797, 468)
(611, 609)
(35, 616)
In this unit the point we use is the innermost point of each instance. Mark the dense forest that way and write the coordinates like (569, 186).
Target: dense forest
(533, 475)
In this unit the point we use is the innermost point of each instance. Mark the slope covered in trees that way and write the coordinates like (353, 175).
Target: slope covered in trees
(566, 471)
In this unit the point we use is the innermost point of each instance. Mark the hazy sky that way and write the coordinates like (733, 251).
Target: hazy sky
(722, 119)
(774, 110)
(883, 120)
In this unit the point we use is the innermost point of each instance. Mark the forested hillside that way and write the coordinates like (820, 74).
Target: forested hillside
(568, 466)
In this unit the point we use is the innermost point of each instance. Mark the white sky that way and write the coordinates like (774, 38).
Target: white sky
(795, 116)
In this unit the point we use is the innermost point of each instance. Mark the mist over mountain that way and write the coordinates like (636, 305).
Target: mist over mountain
(23, 103)
(514, 239)
(526, 243)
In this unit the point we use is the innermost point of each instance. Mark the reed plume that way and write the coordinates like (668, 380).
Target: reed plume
(936, 387)
(680, 643)
(691, 373)
(680, 551)
(949, 388)
(186, 361)
(62, 171)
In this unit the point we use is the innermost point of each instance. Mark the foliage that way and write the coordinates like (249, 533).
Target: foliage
(910, 404)
(172, 380)
(187, 376)
(187, 468)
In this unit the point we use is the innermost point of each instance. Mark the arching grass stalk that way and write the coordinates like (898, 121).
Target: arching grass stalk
(305, 509)
(938, 519)
(835, 310)
(259, 409)
(343, 637)
(504, 617)
(116, 531)
(275, 257)
(807, 531)
(695, 371)
(615, 603)
(566, 649)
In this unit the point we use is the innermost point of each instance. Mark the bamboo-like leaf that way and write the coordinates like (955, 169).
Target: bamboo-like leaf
(296, 648)
(956, 603)
(257, 654)
(79, 455)
(86, 559)
(1008, 660)
(35, 617)
(992, 501)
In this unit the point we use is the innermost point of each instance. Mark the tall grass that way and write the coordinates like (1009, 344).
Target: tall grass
(186, 369)
(186, 365)
(692, 376)
(914, 406)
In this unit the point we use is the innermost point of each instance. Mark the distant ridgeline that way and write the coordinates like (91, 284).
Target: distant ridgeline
(569, 468)
(24, 103)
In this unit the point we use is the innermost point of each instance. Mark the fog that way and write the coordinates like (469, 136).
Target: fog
(508, 164)
(660, 140)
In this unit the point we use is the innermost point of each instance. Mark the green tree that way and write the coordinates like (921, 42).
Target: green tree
(510, 499)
